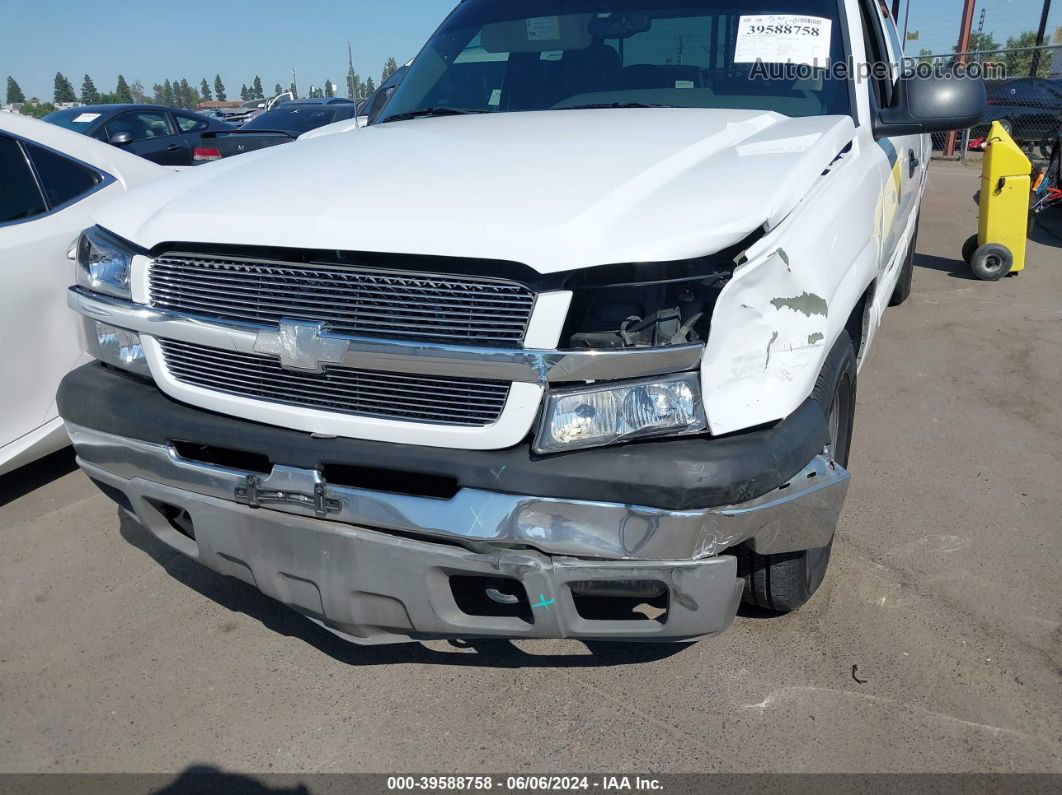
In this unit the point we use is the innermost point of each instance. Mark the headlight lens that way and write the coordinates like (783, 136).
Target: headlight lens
(593, 416)
(116, 346)
(103, 263)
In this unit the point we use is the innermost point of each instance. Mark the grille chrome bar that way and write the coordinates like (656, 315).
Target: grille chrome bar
(447, 401)
(352, 300)
(531, 366)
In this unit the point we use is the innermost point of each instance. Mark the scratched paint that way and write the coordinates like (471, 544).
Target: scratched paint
(806, 303)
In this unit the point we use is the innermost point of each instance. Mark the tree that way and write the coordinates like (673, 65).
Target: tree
(186, 96)
(204, 89)
(36, 109)
(370, 87)
(160, 94)
(330, 90)
(63, 91)
(219, 88)
(137, 90)
(278, 90)
(294, 91)
(89, 94)
(355, 89)
(122, 91)
(14, 93)
(981, 42)
(389, 69)
(168, 97)
(1020, 64)
(257, 88)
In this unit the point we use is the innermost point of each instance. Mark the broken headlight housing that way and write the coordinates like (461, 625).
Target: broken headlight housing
(608, 413)
(103, 263)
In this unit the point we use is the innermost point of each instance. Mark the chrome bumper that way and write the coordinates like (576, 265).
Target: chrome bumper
(800, 514)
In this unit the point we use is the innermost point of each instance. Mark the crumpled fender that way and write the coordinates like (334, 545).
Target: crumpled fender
(784, 308)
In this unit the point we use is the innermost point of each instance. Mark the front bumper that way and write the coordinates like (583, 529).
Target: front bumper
(378, 566)
(372, 587)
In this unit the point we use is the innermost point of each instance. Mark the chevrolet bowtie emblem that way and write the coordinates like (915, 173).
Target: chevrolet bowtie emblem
(299, 346)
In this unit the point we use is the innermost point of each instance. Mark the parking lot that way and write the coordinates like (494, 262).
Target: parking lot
(934, 645)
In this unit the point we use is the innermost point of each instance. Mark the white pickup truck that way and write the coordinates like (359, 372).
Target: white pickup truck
(563, 343)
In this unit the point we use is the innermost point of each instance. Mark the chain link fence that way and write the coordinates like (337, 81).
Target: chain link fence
(1024, 88)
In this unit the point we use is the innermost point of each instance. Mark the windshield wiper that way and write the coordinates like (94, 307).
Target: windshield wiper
(596, 105)
(436, 111)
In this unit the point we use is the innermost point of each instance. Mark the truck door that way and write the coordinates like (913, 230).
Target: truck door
(905, 154)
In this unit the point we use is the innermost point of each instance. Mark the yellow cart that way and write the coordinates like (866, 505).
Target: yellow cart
(998, 248)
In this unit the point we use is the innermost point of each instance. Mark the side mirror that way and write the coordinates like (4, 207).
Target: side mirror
(932, 103)
(121, 138)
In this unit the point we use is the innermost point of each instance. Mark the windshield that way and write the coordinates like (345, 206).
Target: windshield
(523, 55)
(297, 120)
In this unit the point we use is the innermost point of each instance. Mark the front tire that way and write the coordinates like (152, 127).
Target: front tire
(782, 583)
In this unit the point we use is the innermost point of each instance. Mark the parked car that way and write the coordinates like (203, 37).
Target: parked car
(571, 328)
(161, 134)
(278, 126)
(253, 108)
(51, 179)
(1029, 108)
(374, 103)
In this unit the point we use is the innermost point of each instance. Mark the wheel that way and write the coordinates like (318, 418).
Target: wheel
(782, 583)
(991, 262)
(968, 248)
(902, 291)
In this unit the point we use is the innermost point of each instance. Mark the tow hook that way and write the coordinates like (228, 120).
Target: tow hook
(289, 486)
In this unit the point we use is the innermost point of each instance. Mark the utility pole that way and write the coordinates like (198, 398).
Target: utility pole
(1040, 38)
(964, 45)
(294, 87)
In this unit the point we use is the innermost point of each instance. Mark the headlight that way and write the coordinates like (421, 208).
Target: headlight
(116, 346)
(593, 416)
(103, 263)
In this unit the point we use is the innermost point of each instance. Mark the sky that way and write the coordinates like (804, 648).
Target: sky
(150, 41)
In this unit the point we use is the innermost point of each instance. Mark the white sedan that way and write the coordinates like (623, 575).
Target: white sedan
(53, 180)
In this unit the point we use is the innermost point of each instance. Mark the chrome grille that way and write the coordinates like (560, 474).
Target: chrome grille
(348, 299)
(449, 401)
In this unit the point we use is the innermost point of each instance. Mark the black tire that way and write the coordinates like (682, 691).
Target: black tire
(782, 583)
(991, 262)
(902, 291)
(968, 248)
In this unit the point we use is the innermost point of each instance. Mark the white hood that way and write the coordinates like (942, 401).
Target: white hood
(555, 190)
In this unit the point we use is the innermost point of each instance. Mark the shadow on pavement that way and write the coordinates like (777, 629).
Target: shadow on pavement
(953, 267)
(39, 473)
(207, 779)
(240, 597)
(1048, 228)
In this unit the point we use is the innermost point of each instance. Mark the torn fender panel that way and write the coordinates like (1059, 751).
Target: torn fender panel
(777, 319)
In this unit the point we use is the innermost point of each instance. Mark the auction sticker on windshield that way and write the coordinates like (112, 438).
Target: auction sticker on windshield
(543, 29)
(783, 38)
